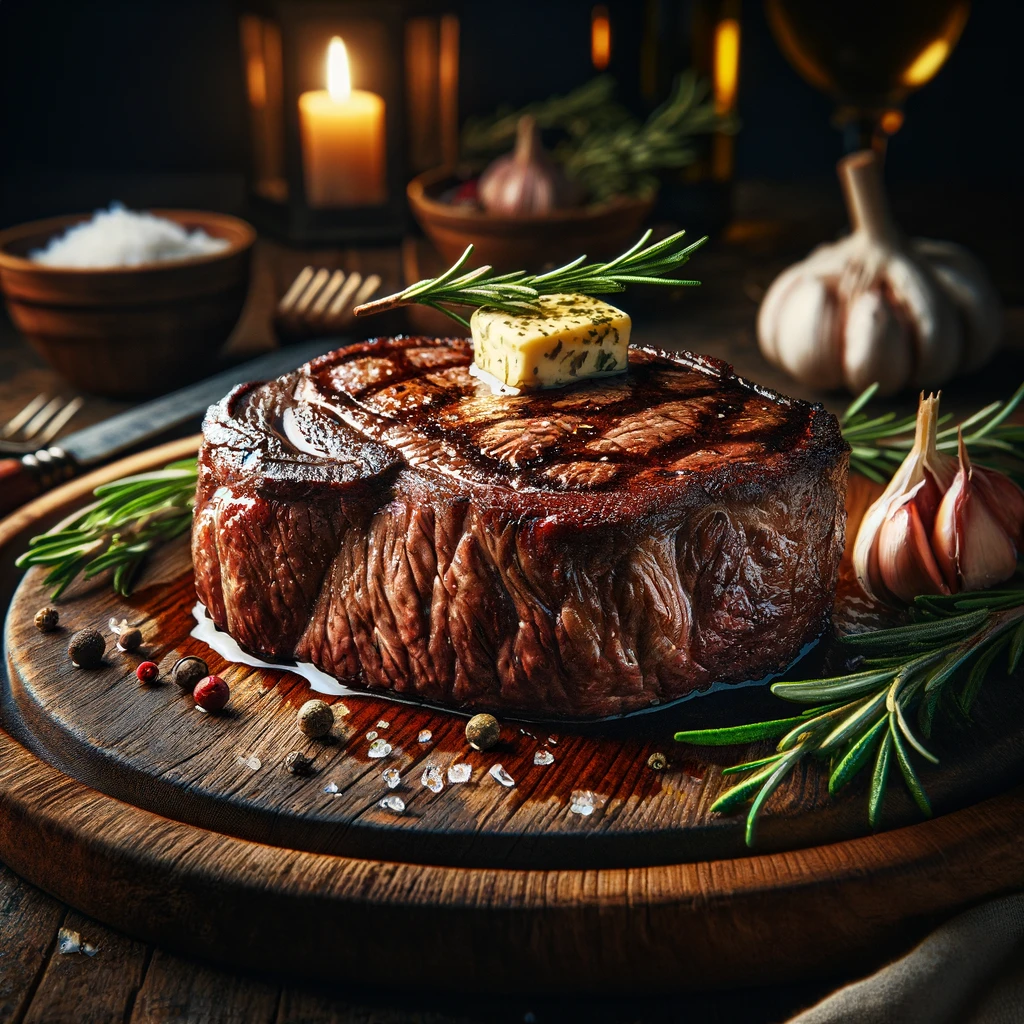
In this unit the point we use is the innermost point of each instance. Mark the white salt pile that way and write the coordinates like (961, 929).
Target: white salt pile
(123, 238)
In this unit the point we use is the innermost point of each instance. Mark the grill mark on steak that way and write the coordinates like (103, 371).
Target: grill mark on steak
(581, 552)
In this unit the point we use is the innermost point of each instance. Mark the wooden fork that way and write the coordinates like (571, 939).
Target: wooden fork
(320, 301)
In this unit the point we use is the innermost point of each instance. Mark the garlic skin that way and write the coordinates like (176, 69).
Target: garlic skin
(875, 307)
(941, 526)
(973, 549)
(525, 181)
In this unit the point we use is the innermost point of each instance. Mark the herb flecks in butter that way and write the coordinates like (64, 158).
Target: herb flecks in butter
(569, 338)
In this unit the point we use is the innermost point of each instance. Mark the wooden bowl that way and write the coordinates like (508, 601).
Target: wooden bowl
(525, 242)
(123, 331)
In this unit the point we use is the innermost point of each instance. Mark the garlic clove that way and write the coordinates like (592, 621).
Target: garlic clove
(973, 549)
(965, 281)
(937, 329)
(807, 342)
(1005, 500)
(923, 475)
(876, 345)
(906, 565)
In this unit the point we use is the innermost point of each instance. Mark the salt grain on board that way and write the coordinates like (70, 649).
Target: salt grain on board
(392, 777)
(393, 803)
(499, 774)
(425, 736)
(543, 757)
(379, 748)
(431, 778)
(459, 773)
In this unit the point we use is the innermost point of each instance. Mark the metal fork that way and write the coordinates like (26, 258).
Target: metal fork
(320, 301)
(37, 424)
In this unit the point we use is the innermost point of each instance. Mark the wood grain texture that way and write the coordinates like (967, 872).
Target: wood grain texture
(748, 919)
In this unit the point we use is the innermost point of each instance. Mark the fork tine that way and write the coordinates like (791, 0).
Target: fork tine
(55, 425)
(42, 418)
(298, 286)
(21, 418)
(324, 298)
(370, 285)
(319, 280)
(341, 300)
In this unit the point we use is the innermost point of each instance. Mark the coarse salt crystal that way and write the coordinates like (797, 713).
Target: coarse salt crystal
(331, 788)
(499, 774)
(584, 802)
(425, 736)
(393, 803)
(383, 725)
(431, 778)
(252, 762)
(543, 757)
(458, 773)
(371, 735)
(379, 748)
(392, 777)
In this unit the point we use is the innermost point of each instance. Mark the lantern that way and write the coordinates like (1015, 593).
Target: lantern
(347, 100)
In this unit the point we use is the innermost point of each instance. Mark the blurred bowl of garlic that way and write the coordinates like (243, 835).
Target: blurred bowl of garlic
(125, 303)
(446, 204)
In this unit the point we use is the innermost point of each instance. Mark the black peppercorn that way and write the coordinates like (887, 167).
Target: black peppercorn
(298, 764)
(86, 648)
(483, 731)
(316, 718)
(130, 640)
(188, 671)
(47, 619)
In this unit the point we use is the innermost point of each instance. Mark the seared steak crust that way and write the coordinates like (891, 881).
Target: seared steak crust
(573, 553)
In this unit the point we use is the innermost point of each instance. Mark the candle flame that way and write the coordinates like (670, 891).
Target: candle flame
(339, 79)
(727, 64)
(600, 37)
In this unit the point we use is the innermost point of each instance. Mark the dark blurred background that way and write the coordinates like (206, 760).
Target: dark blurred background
(143, 100)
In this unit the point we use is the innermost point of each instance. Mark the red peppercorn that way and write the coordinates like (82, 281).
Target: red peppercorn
(211, 693)
(147, 671)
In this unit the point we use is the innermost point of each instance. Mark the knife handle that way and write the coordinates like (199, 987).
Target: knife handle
(23, 479)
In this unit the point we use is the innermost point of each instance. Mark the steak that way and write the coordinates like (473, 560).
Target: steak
(573, 553)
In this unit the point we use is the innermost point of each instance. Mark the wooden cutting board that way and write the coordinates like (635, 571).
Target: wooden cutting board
(185, 829)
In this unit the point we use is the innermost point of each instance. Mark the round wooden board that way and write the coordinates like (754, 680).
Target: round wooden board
(181, 843)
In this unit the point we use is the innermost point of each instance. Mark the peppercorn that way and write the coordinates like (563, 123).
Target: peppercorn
(86, 648)
(130, 640)
(657, 762)
(316, 719)
(147, 672)
(188, 671)
(483, 731)
(47, 619)
(211, 693)
(298, 764)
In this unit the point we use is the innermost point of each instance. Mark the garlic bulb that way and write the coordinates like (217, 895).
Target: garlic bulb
(877, 307)
(941, 526)
(526, 180)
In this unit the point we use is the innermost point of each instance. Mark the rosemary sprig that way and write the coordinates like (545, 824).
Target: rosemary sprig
(863, 718)
(880, 443)
(518, 292)
(129, 519)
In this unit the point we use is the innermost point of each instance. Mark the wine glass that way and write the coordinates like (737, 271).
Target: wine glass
(868, 55)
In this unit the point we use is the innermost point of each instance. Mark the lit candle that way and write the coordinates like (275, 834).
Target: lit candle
(342, 133)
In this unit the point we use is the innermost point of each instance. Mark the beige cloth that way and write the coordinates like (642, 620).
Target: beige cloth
(969, 971)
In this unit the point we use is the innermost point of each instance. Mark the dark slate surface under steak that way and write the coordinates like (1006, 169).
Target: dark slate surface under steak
(572, 553)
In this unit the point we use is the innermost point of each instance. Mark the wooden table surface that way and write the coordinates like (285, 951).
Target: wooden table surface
(133, 982)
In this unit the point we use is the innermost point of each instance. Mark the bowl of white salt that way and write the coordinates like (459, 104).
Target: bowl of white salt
(125, 303)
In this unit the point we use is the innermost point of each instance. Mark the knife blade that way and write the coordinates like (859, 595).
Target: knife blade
(24, 478)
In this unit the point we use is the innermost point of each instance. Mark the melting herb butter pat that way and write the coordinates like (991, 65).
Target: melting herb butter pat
(569, 338)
